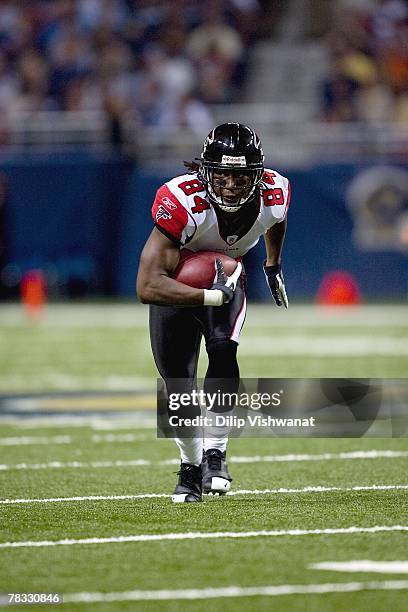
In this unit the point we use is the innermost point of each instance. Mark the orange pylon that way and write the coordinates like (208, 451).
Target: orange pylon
(33, 294)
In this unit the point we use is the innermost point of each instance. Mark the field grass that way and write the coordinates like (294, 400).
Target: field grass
(52, 467)
(101, 348)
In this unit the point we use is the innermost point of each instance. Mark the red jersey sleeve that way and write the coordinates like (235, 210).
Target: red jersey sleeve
(169, 215)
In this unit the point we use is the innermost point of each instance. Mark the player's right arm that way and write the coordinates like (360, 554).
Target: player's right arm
(158, 261)
(161, 255)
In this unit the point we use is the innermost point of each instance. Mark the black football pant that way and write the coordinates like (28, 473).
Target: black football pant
(176, 333)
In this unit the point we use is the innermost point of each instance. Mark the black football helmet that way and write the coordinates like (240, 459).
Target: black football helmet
(231, 148)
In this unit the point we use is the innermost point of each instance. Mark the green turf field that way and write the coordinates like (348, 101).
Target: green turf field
(99, 347)
(84, 501)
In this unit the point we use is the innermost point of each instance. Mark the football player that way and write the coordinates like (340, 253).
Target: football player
(224, 204)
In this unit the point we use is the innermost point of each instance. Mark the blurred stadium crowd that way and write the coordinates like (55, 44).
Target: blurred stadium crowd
(368, 76)
(163, 61)
(166, 62)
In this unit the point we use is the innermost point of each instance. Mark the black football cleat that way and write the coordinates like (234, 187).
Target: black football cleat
(216, 479)
(188, 488)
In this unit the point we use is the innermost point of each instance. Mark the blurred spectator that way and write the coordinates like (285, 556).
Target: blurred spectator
(217, 50)
(174, 73)
(386, 18)
(33, 73)
(368, 75)
(70, 58)
(165, 79)
(338, 95)
(191, 114)
(401, 108)
(9, 82)
(83, 93)
(215, 32)
(375, 102)
(156, 58)
(92, 14)
(215, 72)
(394, 59)
(167, 60)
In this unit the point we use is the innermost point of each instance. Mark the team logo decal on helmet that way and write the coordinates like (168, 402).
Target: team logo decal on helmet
(231, 149)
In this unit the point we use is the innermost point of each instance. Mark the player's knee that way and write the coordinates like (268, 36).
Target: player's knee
(222, 359)
(222, 346)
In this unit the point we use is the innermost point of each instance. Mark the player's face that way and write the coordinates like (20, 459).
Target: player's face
(231, 186)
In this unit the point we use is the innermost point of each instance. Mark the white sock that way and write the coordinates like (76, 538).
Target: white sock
(191, 450)
(216, 436)
(219, 443)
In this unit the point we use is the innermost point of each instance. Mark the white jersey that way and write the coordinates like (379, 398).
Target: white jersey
(183, 212)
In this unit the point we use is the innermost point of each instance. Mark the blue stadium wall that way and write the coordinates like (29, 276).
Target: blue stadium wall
(84, 218)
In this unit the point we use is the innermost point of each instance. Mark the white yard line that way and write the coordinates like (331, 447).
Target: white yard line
(134, 315)
(237, 591)
(106, 423)
(125, 437)
(95, 438)
(370, 454)
(310, 489)
(32, 440)
(327, 345)
(211, 535)
(363, 565)
(78, 498)
(78, 465)
(352, 455)
(318, 489)
(55, 381)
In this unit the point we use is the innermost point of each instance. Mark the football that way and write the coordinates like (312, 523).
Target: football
(198, 269)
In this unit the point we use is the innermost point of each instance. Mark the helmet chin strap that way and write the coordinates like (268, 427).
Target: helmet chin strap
(230, 208)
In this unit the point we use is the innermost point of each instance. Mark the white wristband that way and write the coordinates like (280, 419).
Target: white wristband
(213, 297)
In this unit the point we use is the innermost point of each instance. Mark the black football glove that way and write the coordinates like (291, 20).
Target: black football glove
(274, 278)
(226, 284)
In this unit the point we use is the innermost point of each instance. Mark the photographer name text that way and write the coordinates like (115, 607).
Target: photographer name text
(219, 420)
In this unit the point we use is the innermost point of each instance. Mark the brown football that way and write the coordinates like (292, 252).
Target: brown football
(198, 269)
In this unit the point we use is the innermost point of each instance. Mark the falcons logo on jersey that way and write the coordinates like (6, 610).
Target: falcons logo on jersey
(162, 213)
(169, 204)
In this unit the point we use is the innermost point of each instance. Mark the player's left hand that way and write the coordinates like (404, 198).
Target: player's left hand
(274, 278)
